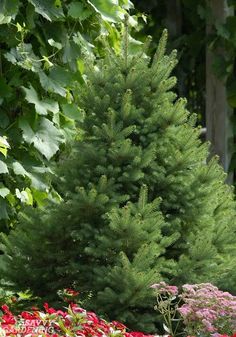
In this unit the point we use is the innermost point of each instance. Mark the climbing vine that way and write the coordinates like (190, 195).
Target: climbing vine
(44, 46)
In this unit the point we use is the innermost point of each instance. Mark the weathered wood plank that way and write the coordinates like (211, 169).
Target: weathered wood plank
(218, 113)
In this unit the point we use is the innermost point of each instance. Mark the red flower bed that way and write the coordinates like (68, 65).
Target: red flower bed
(74, 321)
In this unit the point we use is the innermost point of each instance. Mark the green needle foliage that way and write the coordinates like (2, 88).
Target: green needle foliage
(141, 201)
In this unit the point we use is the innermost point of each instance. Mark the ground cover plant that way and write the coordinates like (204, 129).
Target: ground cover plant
(141, 201)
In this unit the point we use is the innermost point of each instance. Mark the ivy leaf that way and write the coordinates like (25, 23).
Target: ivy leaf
(48, 9)
(51, 85)
(78, 11)
(3, 167)
(4, 191)
(46, 139)
(41, 107)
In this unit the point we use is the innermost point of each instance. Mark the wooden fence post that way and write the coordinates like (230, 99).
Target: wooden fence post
(218, 113)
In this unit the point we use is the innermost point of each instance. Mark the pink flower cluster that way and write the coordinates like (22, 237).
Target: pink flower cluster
(203, 308)
(163, 288)
(211, 309)
(74, 321)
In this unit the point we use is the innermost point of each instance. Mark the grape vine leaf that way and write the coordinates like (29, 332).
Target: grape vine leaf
(51, 85)
(3, 167)
(46, 139)
(109, 10)
(48, 9)
(4, 191)
(78, 11)
(72, 111)
(41, 107)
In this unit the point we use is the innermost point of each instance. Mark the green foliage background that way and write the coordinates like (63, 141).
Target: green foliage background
(44, 45)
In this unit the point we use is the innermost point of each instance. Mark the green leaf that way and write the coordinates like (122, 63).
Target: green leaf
(71, 53)
(231, 93)
(3, 209)
(3, 167)
(25, 196)
(4, 121)
(46, 139)
(4, 191)
(19, 169)
(72, 111)
(28, 133)
(55, 44)
(135, 46)
(78, 11)
(62, 76)
(30, 197)
(51, 85)
(9, 8)
(48, 9)
(4, 146)
(37, 175)
(109, 9)
(85, 46)
(219, 65)
(5, 90)
(23, 56)
(41, 107)
(4, 19)
(39, 197)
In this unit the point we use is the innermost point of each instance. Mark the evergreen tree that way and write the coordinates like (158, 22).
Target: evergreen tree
(140, 201)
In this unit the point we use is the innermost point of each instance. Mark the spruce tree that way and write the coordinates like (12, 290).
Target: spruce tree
(141, 202)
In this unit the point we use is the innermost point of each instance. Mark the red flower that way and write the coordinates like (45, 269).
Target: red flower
(119, 325)
(77, 321)
(28, 315)
(5, 308)
(8, 319)
(71, 292)
(49, 310)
